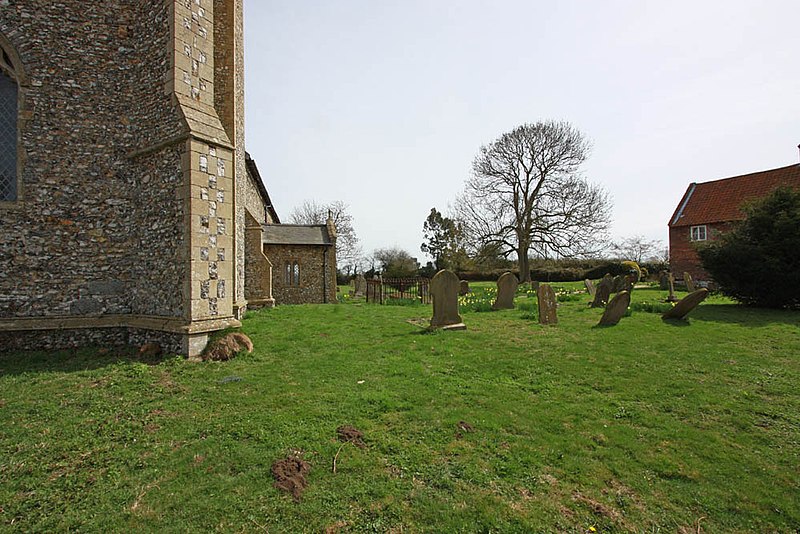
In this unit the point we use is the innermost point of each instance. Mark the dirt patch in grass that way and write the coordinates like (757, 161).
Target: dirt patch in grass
(464, 427)
(290, 475)
(598, 508)
(350, 434)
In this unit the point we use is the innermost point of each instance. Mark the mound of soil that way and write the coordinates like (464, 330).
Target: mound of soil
(463, 426)
(352, 435)
(290, 475)
(227, 347)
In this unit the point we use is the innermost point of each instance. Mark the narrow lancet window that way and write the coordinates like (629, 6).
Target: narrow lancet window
(8, 130)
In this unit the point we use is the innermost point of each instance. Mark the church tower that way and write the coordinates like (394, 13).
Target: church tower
(123, 206)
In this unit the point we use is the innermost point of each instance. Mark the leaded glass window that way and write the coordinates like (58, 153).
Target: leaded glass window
(8, 131)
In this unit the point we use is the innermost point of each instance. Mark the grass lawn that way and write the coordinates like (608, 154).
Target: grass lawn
(507, 427)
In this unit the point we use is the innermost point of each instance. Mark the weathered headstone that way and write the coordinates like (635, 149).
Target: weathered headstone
(601, 296)
(671, 281)
(506, 290)
(628, 282)
(663, 280)
(607, 280)
(687, 279)
(590, 287)
(602, 292)
(686, 304)
(444, 289)
(618, 284)
(360, 286)
(547, 304)
(463, 288)
(616, 309)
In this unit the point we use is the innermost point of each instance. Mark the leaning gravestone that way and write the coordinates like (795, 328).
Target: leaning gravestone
(463, 288)
(616, 309)
(618, 284)
(547, 305)
(506, 290)
(602, 293)
(687, 279)
(360, 286)
(444, 289)
(686, 304)
(629, 282)
(607, 280)
(590, 287)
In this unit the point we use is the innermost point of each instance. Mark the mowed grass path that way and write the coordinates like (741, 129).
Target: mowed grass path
(647, 426)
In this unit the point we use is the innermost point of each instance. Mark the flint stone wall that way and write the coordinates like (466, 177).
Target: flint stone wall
(95, 231)
(313, 286)
(114, 203)
(87, 337)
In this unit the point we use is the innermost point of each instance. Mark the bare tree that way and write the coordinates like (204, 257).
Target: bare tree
(525, 196)
(348, 249)
(639, 249)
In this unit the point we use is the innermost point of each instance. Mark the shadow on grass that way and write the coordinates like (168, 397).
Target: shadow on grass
(71, 360)
(676, 322)
(744, 316)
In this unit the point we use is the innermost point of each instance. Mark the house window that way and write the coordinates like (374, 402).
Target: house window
(698, 233)
(8, 129)
(292, 273)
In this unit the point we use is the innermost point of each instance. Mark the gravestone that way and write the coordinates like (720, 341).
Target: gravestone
(607, 280)
(603, 291)
(444, 289)
(506, 290)
(463, 288)
(616, 309)
(686, 304)
(601, 296)
(687, 279)
(628, 283)
(590, 287)
(547, 305)
(671, 281)
(618, 284)
(360, 287)
(663, 280)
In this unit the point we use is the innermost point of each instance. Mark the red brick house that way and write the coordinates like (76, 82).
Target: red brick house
(709, 208)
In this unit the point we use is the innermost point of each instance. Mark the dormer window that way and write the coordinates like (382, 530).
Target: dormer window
(9, 102)
(698, 233)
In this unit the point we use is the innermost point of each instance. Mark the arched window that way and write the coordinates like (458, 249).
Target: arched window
(292, 273)
(288, 274)
(8, 129)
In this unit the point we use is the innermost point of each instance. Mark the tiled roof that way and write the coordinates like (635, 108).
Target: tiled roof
(252, 172)
(722, 200)
(295, 234)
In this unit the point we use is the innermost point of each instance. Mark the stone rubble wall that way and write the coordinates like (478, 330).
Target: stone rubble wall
(128, 205)
(313, 284)
(89, 337)
(95, 230)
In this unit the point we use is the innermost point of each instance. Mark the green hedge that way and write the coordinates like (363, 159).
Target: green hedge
(564, 271)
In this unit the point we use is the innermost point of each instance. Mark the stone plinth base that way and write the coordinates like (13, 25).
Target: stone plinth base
(457, 326)
(54, 333)
(260, 303)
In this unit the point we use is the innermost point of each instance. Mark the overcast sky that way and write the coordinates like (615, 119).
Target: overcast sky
(384, 104)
